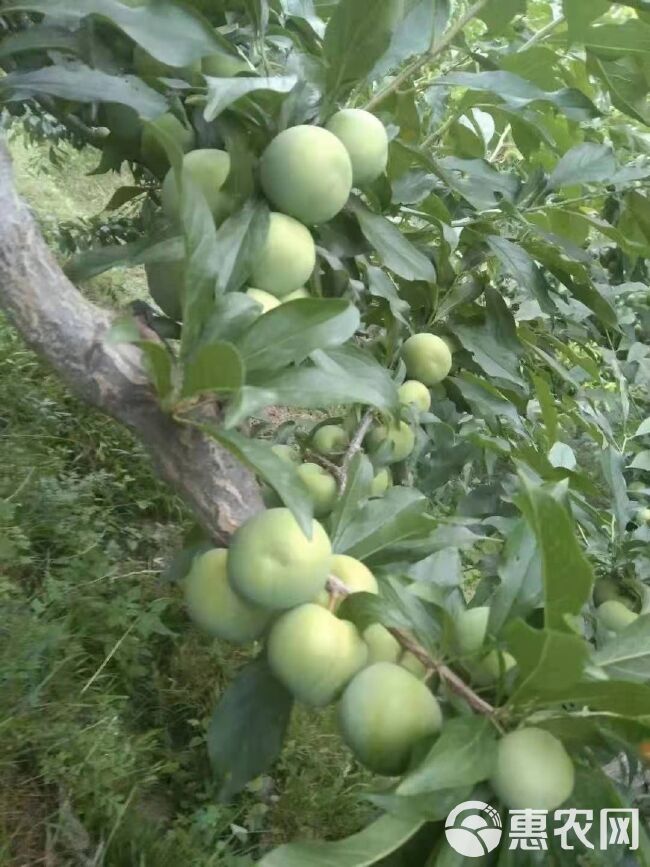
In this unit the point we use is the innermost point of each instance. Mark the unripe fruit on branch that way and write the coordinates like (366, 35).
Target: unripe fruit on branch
(322, 487)
(213, 604)
(264, 299)
(643, 516)
(492, 668)
(208, 168)
(314, 654)
(351, 572)
(330, 439)
(287, 258)
(364, 137)
(153, 153)
(400, 438)
(411, 663)
(306, 172)
(166, 282)
(382, 646)
(415, 393)
(470, 629)
(384, 714)
(381, 482)
(272, 563)
(427, 358)
(287, 453)
(533, 771)
(615, 616)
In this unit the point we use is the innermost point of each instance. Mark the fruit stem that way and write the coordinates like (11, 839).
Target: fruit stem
(420, 61)
(338, 590)
(353, 448)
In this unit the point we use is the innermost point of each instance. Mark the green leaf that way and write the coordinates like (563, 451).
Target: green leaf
(497, 14)
(158, 360)
(375, 842)
(641, 461)
(585, 163)
(357, 35)
(91, 263)
(123, 195)
(239, 240)
(277, 473)
(521, 266)
(623, 697)
(626, 83)
(214, 367)
(494, 343)
(291, 332)
(42, 38)
(566, 573)
(613, 463)
(357, 489)
(393, 248)
(168, 31)
(222, 92)
(627, 655)
(579, 15)
(520, 590)
(399, 515)
(631, 37)
(644, 429)
(80, 83)
(413, 35)
(462, 756)
(547, 660)
(547, 406)
(247, 728)
(381, 286)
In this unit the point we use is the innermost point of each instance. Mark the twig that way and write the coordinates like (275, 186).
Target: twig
(325, 463)
(353, 448)
(338, 590)
(543, 33)
(502, 140)
(420, 61)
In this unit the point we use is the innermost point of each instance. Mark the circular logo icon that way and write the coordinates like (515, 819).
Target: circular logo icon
(473, 829)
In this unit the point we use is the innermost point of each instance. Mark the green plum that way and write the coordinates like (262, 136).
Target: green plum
(382, 646)
(322, 487)
(533, 771)
(400, 438)
(414, 393)
(273, 564)
(365, 139)
(615, 615)
(208, 168)
(287, 257)
(314, 654)
(330, 439)
(427, 358)
(385, 713)
(214, 605)
(382, 481)
(470, 628)
(264, 299)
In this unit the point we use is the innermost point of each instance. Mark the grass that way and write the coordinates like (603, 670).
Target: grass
(106, 687)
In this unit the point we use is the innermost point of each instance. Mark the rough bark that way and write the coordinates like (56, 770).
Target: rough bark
(69, 332)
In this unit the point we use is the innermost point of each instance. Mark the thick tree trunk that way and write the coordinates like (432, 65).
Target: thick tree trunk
(70, 333)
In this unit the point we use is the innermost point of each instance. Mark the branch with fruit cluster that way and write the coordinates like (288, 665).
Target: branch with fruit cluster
(72, 335)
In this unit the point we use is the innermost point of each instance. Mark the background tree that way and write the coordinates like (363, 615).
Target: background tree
(512, 223)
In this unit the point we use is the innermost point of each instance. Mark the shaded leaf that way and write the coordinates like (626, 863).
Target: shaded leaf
(627, 655)
(222, 92)
(214, 367)
(584, 163)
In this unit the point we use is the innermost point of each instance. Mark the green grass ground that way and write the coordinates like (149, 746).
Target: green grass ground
(106, 687)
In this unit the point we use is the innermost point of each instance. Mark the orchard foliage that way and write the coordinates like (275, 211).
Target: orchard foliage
(510, 231)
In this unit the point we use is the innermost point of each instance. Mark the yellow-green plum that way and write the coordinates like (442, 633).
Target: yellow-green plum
(208, 168)
(314, 654)
(492, 667)
(615, 616)
(215, 607)
(606, 589)
(289, 454)
(306, 172)
(330, 439)
(322, 487)
(470, 629)
(287, 257)
(365, 139)
(153, 153)
(166, 282)
(298, 295)
(400, 438)
(414, 393)
(353, 573)
(384, 715)
(427, 358)
(532, 771)
(411, 663)
(264, 299)
(272, 563)
(382, 481)
(643, 516)
(382, 646)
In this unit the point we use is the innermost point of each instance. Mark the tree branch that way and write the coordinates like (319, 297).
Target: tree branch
(421, 60)
(70, 332)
